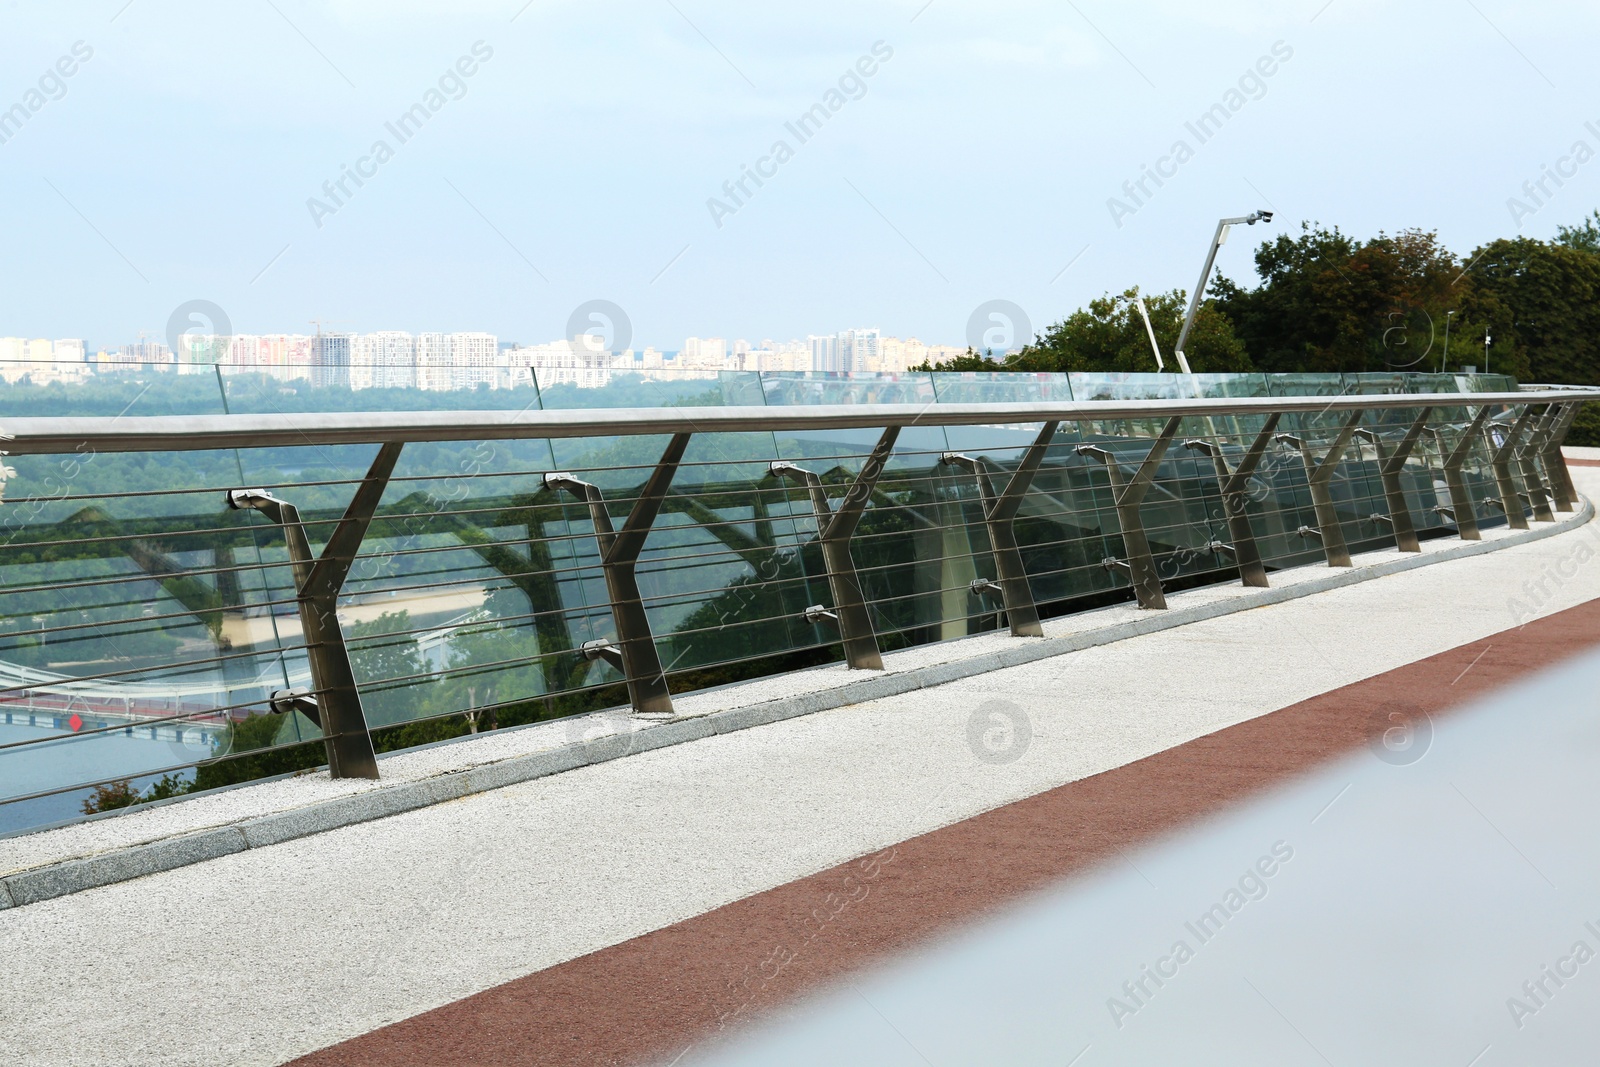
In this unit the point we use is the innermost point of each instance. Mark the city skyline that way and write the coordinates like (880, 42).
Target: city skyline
(732, 341)
(438, 362)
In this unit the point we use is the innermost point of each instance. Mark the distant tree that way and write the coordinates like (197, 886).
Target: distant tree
(1330, 303)
(1110, 335)
(1585, 236)
(1544, 301)
(967, 361)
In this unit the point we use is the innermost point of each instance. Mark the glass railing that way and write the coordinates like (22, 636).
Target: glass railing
(148, 628)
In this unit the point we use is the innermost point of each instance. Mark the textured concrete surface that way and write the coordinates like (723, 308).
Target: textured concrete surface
(699, 982)
(267, 954)
(106, 851)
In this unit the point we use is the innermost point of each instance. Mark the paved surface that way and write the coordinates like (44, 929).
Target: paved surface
(1440, 912)
(262, 956)
(694, 983)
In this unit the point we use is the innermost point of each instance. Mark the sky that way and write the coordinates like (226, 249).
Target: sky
(970, 153)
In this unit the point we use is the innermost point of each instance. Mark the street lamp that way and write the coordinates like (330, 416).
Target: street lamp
(1211, 258)
(1144, 313)
(1486, 350)
(1444, 357)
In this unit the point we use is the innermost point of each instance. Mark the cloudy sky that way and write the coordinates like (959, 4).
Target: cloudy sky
(975, 161)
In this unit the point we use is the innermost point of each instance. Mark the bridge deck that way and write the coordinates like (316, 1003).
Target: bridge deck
(635, 905)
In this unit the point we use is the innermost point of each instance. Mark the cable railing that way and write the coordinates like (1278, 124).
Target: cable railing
(596, 555)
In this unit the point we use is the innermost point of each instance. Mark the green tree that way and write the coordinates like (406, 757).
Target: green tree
(1329, 303)
(967, 361)
(1542, 298)
(1110, 335)
(1585, 236)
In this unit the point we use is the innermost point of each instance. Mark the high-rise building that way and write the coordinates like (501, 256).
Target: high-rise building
(472, 356)
(244, 353)
(433, 362)
(703, 353)
(363, 361)
(383, 360)
(197, 352)
(568, 362)
(330, 360)
(510, 370)
(824, 352)
(40, 361)
(286, 357)
(858, 350)
(13, 358)
(145, 354)
(943, 353)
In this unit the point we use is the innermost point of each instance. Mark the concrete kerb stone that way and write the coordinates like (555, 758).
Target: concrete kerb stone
(45, 883)
(313, 819)
(675, 732)
(71, 876)
(445, 787)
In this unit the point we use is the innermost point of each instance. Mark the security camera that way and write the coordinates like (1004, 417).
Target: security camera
(1264, 216)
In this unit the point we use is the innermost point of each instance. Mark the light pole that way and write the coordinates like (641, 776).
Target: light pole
(1444, 357)
(1144, 313)
(1200, 289)
(1486, 350)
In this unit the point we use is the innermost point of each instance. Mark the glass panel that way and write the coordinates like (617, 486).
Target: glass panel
(251, 390)
(128, 642)
(131, 389)
(1486, 383)
(654, 389)
(1131, 385)
(1215, 385)
(848, 388)
(1305, 384)
(1000, 387)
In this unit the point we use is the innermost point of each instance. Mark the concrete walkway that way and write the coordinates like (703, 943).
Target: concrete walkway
(271, 953)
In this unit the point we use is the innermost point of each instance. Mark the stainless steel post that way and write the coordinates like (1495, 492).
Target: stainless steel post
(834, 531)
(1127, 496)
(999, 515)
(1537, 494)
(1555, 464)
(1462, 511)
(1390, 467)
(1319, 475)
(635, 650)
(1510, 500)
(1235, 501)
(335, 703)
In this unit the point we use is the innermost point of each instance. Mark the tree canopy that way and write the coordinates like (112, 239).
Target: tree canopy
(1330, 303)
(1326, 302)
(1110, 335)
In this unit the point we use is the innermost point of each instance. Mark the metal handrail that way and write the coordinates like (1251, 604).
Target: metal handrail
(179, 433)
